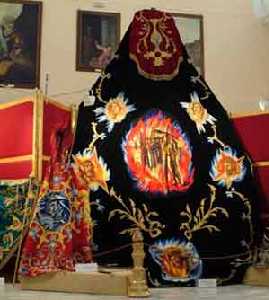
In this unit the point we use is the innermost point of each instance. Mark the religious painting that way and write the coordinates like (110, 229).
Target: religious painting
(192, 35)
(98, 37)
(20, 27)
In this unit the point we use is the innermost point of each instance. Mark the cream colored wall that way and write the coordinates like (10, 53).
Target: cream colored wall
(236, 48)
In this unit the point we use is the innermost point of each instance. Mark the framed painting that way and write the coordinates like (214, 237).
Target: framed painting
(192, 34)
(20, 29)
(98, 36)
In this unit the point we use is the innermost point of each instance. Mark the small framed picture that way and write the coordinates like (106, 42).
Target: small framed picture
(98, 36)
(192, 34)
(20, 29)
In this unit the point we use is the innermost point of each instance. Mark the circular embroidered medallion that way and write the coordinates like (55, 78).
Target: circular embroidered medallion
(54, 211)
(158, 154)
(178, 259)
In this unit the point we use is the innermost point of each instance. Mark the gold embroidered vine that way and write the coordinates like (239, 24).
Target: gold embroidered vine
(246, 215)
(96, 136)
(140, 218)
(213, 138)
(248, 253)
(98, 90)
(199, 221)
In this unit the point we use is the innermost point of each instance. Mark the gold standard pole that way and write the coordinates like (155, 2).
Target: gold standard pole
(74, 119)
(137, 286)
(35, 135)
(39, 134)
(74, 116)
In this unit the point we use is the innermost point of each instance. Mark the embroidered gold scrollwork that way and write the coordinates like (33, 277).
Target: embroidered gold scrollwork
(199, 220)
(140, 218)
(98, 90)
(96, 136)
(214, 137)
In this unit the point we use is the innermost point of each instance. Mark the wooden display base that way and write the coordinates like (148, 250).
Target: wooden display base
(105, 283)
(257, 276)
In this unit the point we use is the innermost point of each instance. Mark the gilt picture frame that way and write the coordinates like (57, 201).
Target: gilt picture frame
(98, 37)
(20, 39)
(191, 28)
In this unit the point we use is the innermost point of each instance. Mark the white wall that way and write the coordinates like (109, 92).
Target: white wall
(236, 48)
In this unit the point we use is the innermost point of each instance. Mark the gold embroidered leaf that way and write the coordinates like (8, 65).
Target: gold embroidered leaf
(188, 209)
(183, 213)
(140, 216)
(133, 206)
(145, 207)
(153, 214)
(114, 212)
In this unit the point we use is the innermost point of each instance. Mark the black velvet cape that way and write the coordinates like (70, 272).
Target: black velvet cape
(180, 176)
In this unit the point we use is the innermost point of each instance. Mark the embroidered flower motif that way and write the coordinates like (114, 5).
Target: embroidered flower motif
(179, 260)
(227, 168)
(114, 111)
(7, 240)
(16, 224)
(91, 170)
(198, 113)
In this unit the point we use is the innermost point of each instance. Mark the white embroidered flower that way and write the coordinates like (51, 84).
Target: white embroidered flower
(115, 110)
(198, 113)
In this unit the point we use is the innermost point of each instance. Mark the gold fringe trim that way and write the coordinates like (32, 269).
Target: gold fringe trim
(261, 164)
(14, 159)
(12, 182)
(58, 104)
(244, 115)
(16, 102)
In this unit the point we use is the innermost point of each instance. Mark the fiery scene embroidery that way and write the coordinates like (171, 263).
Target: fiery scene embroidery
(91, 170)
(179, 260)
(227, 168)
(158, 155)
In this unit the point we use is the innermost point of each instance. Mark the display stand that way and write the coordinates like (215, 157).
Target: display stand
(257, 276)
(110, 283)
(128, 282)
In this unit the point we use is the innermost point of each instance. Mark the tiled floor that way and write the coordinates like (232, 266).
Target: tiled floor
(241, 292)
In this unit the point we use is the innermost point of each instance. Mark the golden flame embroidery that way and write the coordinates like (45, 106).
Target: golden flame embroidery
(115, 110)
(227, 168)
(198, 113)
(91, 170)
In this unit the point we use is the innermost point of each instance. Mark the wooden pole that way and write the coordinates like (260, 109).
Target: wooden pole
(29, 196)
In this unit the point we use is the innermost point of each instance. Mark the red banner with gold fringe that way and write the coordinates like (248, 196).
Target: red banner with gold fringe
(27, 127)
(252, 130)
(16, 136)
